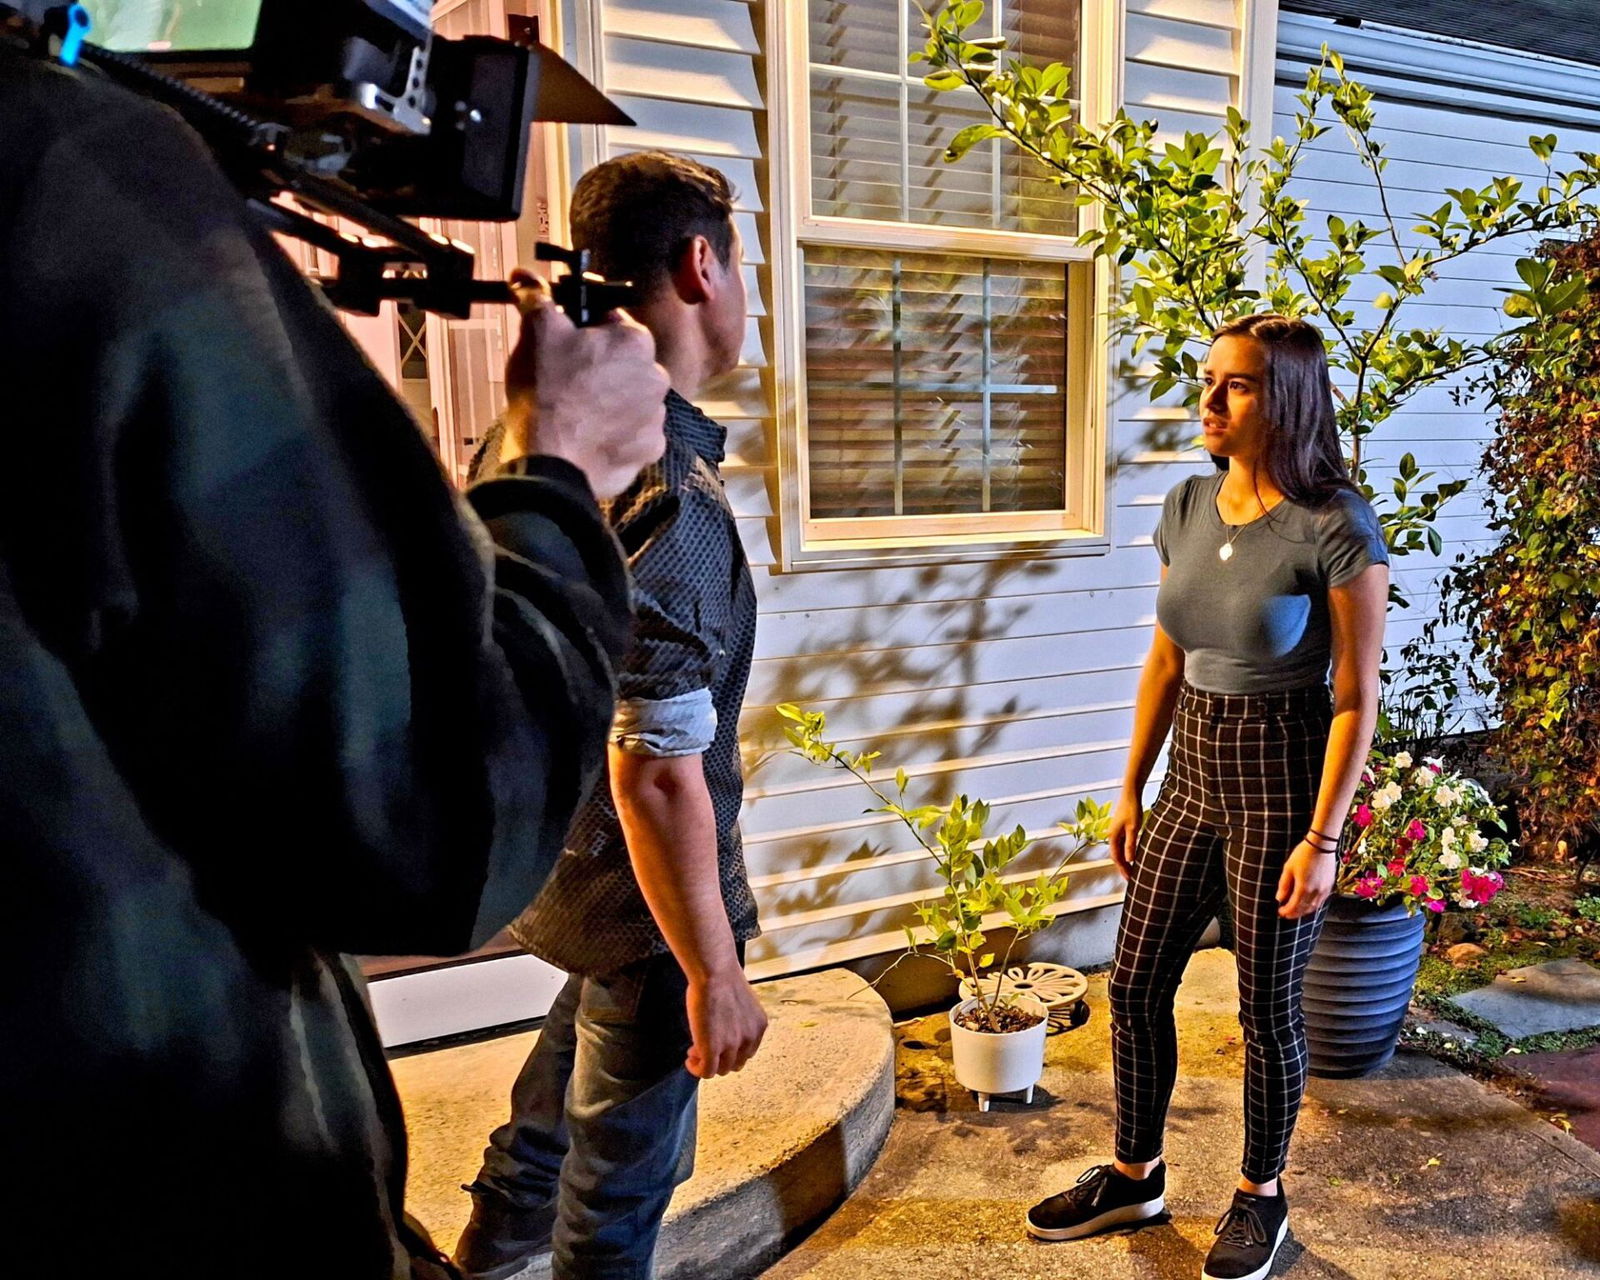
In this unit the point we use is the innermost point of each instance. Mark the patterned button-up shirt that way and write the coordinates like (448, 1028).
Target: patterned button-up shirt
(680, 689)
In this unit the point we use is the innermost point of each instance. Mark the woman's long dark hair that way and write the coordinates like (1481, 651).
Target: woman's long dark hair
(1303, 455)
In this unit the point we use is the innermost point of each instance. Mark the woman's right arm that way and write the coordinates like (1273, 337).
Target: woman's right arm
(1152, 718)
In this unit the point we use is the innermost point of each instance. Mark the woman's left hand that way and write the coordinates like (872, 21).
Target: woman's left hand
(1306, 882)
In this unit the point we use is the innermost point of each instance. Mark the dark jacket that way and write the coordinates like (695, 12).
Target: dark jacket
(268, 694)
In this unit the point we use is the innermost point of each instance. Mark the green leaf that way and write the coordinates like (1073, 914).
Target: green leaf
(969, 137)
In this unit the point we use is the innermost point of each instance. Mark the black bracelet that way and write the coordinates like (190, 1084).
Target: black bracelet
(1323, 834)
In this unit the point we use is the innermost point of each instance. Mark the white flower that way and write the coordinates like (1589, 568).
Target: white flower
(1450, 860)
(1385, 796)
(1403, 760)
(1447, 796)
(1464, 901)
(1423, 778)
(1434, 761)
(1476, 842)
(1447, 837)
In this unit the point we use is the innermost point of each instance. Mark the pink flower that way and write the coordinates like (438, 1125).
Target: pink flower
(1367, 780)
(1434, 904)
(1481, 888)
(1367, 886)
(1363, 816)
(1434, 767)
(1416, 831)
(1397, 867)
(1419, 886)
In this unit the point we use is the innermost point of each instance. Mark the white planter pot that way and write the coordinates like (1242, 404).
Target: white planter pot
(1010, 1062)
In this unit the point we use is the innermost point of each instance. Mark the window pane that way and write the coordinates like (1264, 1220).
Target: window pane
(935, 384)
(865, 34)
(878, 133)
(855, 147)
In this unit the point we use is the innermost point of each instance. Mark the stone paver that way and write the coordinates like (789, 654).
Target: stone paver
(1562, 995)
(1570, 1081)
(1416, 1173)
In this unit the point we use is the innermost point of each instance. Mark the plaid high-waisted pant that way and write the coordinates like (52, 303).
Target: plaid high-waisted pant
(1240, 790)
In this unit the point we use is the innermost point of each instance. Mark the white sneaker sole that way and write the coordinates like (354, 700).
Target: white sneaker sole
(1110, 1218)
(1260, 1273)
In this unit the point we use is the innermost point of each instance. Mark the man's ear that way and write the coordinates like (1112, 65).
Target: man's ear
(694, 280)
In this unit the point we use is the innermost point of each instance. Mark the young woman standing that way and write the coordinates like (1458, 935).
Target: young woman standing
(1274, 571)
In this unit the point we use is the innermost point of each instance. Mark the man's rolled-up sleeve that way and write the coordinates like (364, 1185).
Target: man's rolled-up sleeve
(677, 543)
(681, 726)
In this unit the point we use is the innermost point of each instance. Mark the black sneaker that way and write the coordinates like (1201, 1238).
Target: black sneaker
(1248, 1237)
(502, 1238)
(1102, 1198)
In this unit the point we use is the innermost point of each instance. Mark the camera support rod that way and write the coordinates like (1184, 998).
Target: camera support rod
(252, 153)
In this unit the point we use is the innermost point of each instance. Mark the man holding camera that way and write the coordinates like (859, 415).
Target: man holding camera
(650, 907)
(269, 694)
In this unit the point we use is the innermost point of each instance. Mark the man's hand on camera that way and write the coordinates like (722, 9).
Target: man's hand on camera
(593, 396)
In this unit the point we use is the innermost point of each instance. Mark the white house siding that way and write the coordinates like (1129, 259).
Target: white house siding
(1448, 115)
(1011, 679)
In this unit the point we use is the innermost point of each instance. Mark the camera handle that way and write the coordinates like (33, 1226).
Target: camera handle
(587, 298)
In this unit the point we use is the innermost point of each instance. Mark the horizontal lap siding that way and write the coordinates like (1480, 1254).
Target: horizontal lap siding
(1012, 679)
(1431, 146)
(1009, 678)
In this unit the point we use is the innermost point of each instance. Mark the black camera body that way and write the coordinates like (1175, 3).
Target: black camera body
(356, 109)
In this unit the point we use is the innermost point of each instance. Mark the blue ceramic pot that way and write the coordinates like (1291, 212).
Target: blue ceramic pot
(1358, 985)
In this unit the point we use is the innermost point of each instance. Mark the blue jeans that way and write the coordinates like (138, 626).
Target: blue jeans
(602, 1121)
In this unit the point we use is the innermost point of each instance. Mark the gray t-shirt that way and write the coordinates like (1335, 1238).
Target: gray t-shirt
(1258, 621)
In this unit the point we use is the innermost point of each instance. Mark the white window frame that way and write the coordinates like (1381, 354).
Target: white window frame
(1079, 529)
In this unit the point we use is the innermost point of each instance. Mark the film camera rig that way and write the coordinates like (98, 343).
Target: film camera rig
(353, 108)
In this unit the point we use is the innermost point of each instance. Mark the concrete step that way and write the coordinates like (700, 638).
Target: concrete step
(781, 1143)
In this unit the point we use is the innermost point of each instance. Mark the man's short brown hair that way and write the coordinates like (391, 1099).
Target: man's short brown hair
(636, 215)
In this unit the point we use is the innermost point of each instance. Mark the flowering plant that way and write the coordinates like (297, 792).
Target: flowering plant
(1420, 837)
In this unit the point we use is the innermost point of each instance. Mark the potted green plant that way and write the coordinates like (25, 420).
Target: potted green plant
(1424, 840)
(996, 1033)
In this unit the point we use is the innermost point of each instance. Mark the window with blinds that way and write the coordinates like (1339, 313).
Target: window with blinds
(878, 133)
(935, 383)
(941, 301)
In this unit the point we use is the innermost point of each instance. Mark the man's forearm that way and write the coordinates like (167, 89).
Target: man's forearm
(671, 831)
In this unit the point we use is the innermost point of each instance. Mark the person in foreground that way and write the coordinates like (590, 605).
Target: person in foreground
(649, 908)
(1274, 569)
(270, 693)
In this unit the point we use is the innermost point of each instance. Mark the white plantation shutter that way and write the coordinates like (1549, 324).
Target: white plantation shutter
(936, 383)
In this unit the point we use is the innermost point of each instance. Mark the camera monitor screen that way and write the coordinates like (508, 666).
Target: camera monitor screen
(173, 26)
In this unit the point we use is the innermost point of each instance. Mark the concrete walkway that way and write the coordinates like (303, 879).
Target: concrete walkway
(1417, 1173)
(781, 1142)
